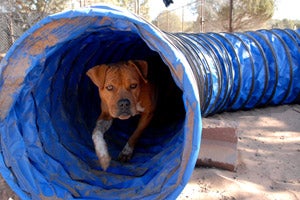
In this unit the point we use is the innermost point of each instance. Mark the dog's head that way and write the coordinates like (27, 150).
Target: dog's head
(120, 85)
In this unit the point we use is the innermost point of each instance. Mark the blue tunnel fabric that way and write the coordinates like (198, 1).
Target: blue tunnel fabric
(264, 69)
(48, 106)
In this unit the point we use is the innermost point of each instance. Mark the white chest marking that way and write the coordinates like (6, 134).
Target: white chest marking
(139, 108)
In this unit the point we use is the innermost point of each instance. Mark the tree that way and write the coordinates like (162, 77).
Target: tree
(168, 21)
(16, 16)
(144, 9)
(284, 23)
(140, 7)
(246, 14)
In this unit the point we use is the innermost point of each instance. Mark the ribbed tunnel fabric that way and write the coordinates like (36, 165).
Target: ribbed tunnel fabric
(48, 106)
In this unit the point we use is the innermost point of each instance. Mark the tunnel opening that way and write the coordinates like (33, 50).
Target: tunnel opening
(56, 107)
(73, 106)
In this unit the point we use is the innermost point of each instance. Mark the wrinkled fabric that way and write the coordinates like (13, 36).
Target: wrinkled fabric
(243, 70)
(48, 106)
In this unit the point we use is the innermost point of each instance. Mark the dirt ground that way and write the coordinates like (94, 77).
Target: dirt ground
(268, 164)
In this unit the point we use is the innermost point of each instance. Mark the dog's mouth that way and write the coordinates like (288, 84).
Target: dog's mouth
(124, 115)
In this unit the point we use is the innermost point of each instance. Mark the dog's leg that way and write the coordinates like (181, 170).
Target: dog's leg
(127, 151)
(100, 145)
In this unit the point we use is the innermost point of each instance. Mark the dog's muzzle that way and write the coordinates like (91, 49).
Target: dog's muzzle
(124, 108)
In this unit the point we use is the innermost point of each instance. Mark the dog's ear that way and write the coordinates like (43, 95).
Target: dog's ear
(141, 66)
(97, 74)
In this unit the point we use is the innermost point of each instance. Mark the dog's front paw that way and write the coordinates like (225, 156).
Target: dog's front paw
(101, 150)
(126, 153)
(104, 161)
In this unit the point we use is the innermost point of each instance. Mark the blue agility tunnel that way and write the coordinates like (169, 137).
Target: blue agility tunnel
(48, 106)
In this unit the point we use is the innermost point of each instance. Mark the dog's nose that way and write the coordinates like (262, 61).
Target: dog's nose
(124, 104)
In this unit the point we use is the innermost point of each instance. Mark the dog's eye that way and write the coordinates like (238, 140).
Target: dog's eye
(109, 87)
(133, 86)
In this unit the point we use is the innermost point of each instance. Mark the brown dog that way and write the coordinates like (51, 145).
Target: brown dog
(124, 91)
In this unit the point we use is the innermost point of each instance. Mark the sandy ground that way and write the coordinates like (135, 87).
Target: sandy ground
(268, 164)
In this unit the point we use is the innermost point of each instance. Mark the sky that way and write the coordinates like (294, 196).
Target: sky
(289, 9)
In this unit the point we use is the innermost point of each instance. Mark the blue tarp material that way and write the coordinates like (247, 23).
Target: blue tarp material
(48, 106)
(48, 111)
(243, 70)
